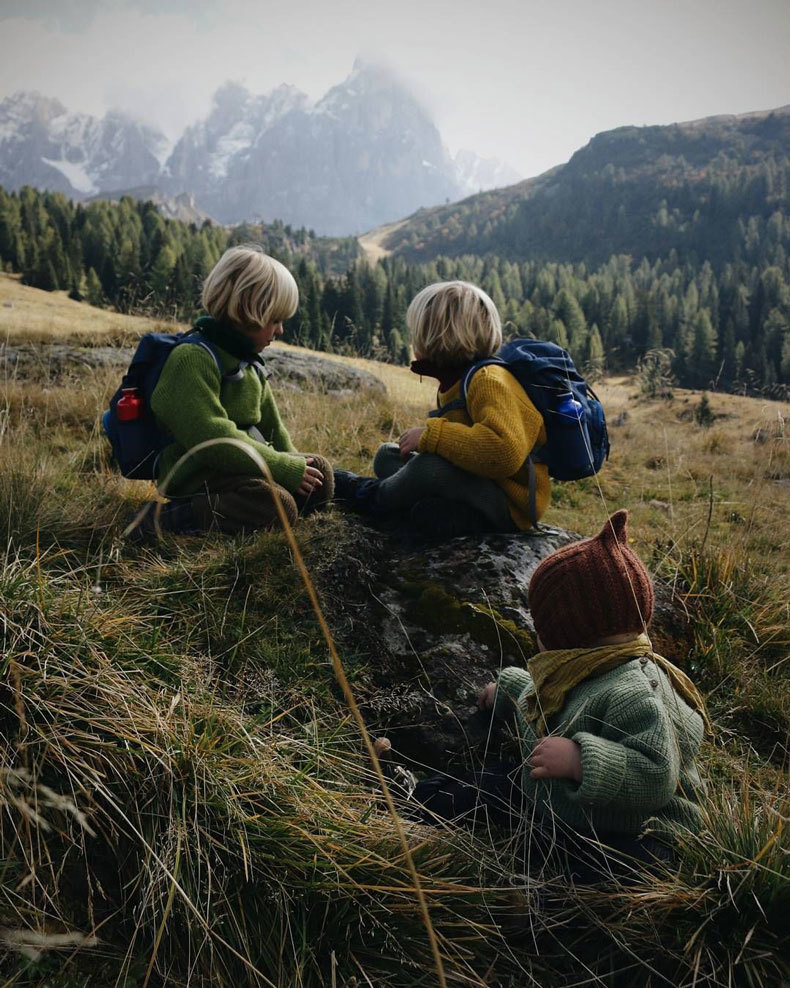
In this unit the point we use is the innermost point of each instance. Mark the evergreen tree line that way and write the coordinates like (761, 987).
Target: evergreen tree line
(727, 327)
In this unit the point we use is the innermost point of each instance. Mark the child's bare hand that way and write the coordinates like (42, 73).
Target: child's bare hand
(556, 758)
(486, 697)
(410, 440)
(312, 479)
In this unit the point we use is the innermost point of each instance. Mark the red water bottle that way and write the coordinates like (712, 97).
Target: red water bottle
(130, 405)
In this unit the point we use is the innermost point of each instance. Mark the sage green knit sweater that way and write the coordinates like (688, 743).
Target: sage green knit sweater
(638, 743)
(192, 401)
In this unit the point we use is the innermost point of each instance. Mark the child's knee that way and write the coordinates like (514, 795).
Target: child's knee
(288, 503)
(328, 487)
(322, 495)
(387, 460)
(434, 471)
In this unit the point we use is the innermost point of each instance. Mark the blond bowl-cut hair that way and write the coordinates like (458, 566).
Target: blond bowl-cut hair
(249, 289)
(453, 323)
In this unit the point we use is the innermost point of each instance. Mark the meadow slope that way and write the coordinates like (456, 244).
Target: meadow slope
(186, 799)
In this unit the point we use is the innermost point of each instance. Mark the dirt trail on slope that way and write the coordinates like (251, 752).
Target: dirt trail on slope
(373, 243)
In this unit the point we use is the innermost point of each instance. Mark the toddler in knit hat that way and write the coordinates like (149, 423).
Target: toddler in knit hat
(609, 729)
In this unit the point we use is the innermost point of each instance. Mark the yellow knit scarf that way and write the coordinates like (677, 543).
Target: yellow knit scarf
(555, 673)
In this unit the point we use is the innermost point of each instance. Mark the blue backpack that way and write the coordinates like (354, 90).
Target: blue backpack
(136, 437)
(577, 443)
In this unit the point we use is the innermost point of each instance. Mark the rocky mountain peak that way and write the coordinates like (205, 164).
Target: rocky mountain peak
(367, 152)
(476, 173)
(44, 145)
(28, 107)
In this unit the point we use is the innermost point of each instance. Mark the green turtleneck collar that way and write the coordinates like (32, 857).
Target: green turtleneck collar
(228, 338)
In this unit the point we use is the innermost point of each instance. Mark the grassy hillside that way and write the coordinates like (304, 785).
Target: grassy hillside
(186, 799)
(642, 191)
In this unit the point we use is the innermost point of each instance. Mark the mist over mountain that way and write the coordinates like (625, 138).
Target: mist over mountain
(476, 173)
(365, 153)
(207, 159)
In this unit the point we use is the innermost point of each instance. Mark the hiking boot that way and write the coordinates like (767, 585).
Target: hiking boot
(439, 518)
(176, 517)
(356, 493)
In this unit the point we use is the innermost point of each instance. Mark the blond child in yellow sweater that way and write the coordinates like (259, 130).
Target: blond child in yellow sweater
(467, 469)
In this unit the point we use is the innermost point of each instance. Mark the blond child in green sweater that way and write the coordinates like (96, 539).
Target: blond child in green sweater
(247, 296)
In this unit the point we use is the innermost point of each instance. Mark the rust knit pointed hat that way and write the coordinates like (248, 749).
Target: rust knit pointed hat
(591, 590)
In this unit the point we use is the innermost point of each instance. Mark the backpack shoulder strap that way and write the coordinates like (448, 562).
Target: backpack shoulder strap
(198, 340)
(227, 376)
(467, 378)
(460, 402)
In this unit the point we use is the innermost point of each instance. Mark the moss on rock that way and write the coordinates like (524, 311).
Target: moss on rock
(431, 607)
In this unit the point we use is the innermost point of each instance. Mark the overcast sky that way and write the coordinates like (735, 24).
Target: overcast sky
(527, 81)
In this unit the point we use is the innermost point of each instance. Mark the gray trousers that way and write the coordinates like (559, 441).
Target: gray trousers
(421, 476)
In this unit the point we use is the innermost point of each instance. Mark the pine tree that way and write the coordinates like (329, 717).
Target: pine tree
(702, 363)
(740, 362)
(558, 334)
(494, 289)
(93, 289)
(388, 312)
(595, 355)
(374, 286)
(79, 288)
(314, 314)
(784, 370)
(703, 413)
(728, 353)
(7, 237)
(618, 325)
(160, 279)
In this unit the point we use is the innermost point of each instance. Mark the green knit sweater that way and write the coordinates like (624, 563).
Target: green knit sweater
(192, 401)
(638, 743)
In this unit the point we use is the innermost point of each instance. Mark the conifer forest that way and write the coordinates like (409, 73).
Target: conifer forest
(721, 318)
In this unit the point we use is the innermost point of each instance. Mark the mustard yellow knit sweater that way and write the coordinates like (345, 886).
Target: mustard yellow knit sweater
(492, 437)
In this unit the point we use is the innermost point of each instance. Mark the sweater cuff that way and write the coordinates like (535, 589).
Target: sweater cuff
(603, 770)
(429, 440)
(511, 683)
(288, 471)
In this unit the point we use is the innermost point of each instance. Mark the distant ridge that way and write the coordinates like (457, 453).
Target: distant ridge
(180, 207)
(635, 190)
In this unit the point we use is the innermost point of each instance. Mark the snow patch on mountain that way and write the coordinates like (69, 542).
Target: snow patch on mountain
(75, 174)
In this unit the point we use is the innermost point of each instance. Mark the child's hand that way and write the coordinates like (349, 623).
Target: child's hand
(556, 758)
(486, 697)
(410, 440)
(312, 479)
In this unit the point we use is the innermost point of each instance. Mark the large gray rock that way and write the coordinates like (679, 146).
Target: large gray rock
(307, 370)
(439, 622)
(51, 361)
